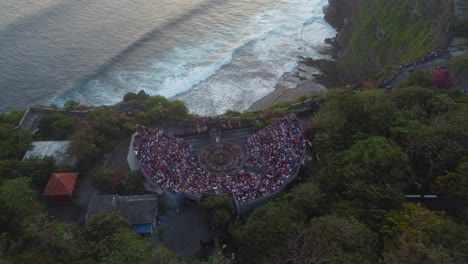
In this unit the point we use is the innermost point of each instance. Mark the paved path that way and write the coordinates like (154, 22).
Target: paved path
(461, 7)
(424, 66)
(118, 159)
(458, 47)
(183, 231)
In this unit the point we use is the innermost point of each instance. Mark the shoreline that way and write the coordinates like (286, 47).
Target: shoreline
(308, 77)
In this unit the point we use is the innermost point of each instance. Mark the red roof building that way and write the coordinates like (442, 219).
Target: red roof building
(61, 184)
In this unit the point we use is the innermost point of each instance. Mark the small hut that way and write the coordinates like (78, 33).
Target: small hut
(61, 187)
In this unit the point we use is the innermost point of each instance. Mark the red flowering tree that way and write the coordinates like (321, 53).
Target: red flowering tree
(443, 79)
(371, 84)
(126, 183)
(117, 179)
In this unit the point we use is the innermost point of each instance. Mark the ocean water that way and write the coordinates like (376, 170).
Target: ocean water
(214, 55)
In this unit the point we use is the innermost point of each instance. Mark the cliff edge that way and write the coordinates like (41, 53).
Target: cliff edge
(378, 35)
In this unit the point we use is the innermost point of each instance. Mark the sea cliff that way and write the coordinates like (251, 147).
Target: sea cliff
(377, 35)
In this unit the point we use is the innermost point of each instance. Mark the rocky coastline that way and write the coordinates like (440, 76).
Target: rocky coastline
(314, 75)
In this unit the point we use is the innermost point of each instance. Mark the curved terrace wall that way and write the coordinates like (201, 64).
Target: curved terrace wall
(177, 199)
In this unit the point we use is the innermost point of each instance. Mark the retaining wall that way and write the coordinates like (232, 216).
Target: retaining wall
(173, 200)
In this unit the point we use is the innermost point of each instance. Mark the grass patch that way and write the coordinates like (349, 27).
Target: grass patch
(404, 30)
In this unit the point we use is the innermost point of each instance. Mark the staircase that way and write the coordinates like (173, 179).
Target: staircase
(232, 205)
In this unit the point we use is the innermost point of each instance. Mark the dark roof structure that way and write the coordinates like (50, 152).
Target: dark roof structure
(61, 184)
(137, 209)
(33, 115)
(130, 107)
(60, 150)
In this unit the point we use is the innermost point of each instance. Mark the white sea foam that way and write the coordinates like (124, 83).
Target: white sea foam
(291, 31)
(227, 66)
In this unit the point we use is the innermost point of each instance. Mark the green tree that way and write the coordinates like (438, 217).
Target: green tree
(459, 65)
(23, 142)
(328, 128)
(414, 95)
(328, 239)
(129, 248)
(141, 95)
(378, 112)
(9, 169)
(56, 126)
(13, 118)
(105, 124)
(18, 205)
(129, 96)
(438, 145)
(441, 103)
(417, 234)
(71, 105)
(265, 230)
(96, 135)
(110, 240)
(157, 100)
(127, 183)
(15, 144)
(177, 109)
(102, 178)
(454, 183)
(38, 169)
(100, 228)
(84, 147)
(57, 240)
(218, 209)
(16, 194)
(418, 78)
(121, 182)
(373, 171)
(308, 199)
(151, 116)
(258, 126)
(409, 249)
(346, 118)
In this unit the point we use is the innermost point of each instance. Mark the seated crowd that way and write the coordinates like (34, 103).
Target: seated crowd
(276, 147)
(171, 163)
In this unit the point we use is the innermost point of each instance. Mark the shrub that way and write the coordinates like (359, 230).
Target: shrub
(443, 79)
(258, 126)
(129, 96)
(102, 178)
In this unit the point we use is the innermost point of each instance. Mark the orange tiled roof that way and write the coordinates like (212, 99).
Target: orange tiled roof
(61, 183)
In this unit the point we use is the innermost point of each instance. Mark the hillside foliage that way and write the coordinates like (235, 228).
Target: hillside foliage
(373, 147)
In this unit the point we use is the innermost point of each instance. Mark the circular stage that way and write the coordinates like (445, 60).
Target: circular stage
(221, 157)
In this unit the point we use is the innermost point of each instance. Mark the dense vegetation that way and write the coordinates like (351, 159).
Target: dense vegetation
(386, 26)
(28, 234)
(383, 34)
(369, 149)
(373, 147)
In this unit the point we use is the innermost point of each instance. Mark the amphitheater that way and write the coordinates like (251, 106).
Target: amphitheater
(252, 168)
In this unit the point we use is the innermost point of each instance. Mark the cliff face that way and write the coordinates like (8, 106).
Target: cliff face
(378, 34)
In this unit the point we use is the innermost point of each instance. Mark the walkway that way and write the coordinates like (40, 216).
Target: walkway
(33, 115)
(458, 47)
(461, 8)
(424, 66)
(183, 230)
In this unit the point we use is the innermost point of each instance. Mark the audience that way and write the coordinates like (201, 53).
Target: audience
(171, 163)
